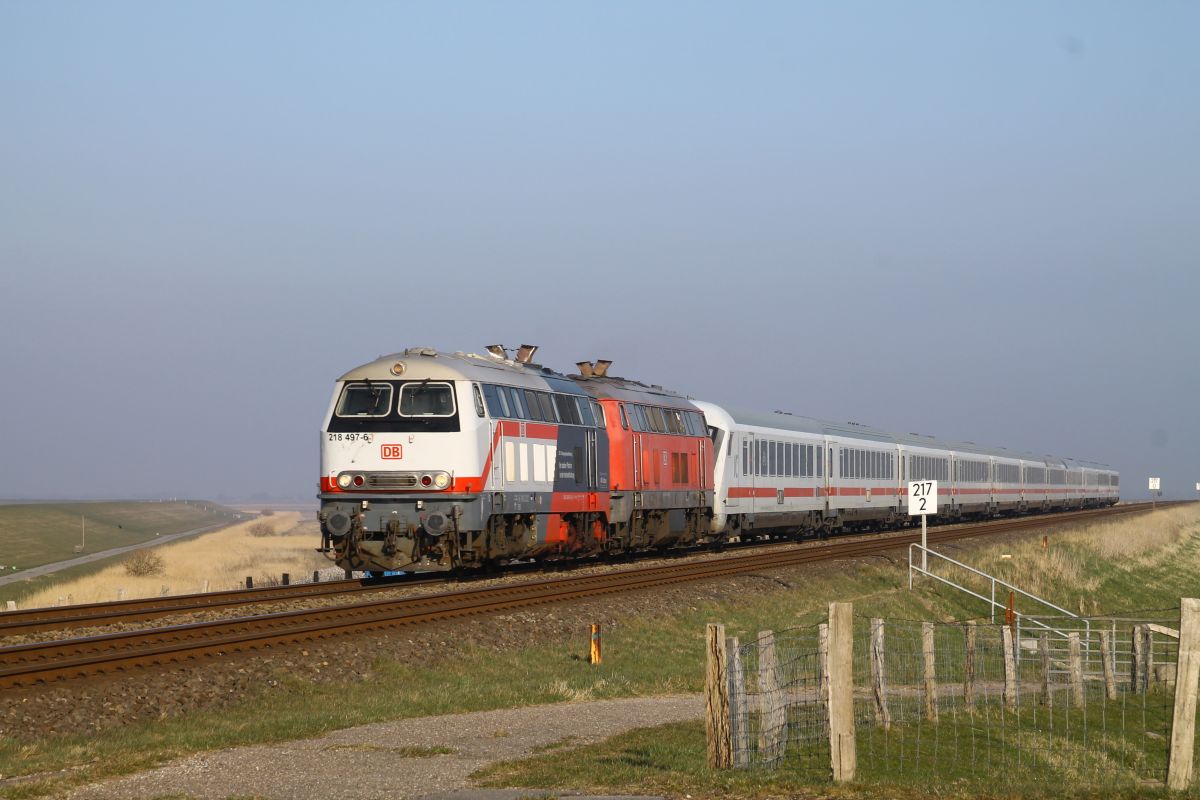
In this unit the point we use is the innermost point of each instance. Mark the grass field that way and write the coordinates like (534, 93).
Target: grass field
(32, 534)
(1157, 562)
(223, 558)
(42, 533)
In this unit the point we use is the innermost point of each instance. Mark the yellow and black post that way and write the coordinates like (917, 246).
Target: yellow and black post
(594, 656)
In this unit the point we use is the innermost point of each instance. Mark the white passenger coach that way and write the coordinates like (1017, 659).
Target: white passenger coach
(782, 472)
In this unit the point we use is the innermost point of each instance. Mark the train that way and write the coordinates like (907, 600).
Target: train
(436, 461)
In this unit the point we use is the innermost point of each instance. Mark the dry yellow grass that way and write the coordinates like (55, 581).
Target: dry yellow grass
(1146, 540)
(224, 559)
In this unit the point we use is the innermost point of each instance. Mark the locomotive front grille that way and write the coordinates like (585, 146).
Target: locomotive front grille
(391, 480)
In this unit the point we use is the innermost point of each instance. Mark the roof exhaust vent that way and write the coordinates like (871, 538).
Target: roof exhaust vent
(585, 368)
(525, 353)
(601, 370)
(497, 351)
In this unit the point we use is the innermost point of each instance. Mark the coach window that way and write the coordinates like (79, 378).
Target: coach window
(624, 418)
(365, 400)
(426, 400)
(494, 406)
(547, 407)
(568, 412)
(533, 410)
(478, 400)
(516, 401)
(595, 413)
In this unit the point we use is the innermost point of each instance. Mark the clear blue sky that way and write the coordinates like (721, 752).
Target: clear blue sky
(978, 220)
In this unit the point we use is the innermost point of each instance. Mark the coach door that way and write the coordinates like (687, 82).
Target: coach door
(592, 459)
(497, 456)
(749, 479)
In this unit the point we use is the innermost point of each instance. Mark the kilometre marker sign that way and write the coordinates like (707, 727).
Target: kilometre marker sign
(922, 501)
(922, 498)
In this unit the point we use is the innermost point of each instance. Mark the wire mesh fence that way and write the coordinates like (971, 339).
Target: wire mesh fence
(1086, 701)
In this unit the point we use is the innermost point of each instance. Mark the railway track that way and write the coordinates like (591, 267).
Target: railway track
(75, 658)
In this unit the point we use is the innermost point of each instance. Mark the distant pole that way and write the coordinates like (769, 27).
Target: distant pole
(82, 532)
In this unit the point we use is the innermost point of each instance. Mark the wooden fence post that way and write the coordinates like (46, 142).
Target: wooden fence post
(877, 675)
(1183, 723)
(1149, 653)
(1110, 681)
(1135, 661)
(969, 668)
(841, 692)
(1075, 654)
(772, 728)
(1044, 652)
(823, 664)
(931, 704)
(737, 705)
(1010, 668)
(716, 700)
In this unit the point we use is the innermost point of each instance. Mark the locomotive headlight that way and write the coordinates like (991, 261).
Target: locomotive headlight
(344, 481)
(441, 480)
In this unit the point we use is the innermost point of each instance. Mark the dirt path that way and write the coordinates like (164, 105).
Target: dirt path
(372, 761)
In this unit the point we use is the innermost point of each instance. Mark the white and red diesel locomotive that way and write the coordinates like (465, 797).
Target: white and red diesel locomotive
(434, 461)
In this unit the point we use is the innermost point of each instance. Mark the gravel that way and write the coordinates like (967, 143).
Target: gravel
(375, 760)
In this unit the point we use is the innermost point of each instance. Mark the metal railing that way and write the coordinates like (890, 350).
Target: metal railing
(1029, 620)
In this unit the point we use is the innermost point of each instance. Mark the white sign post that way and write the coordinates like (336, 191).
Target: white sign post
(922, 500)
(1155, 491)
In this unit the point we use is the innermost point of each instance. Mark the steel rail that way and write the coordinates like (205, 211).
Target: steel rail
(14, 623)
(45, 661)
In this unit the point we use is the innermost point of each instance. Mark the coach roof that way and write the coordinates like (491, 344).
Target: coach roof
(853, 430)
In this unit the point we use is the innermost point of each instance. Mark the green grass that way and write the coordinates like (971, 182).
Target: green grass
(34, 534)
(671, 759)
(643, 656)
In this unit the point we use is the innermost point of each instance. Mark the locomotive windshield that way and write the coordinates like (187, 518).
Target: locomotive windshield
(365, 400)
(426, 400)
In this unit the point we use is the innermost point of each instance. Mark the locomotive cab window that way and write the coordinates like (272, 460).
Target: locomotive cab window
(426, 400)
(365, 400)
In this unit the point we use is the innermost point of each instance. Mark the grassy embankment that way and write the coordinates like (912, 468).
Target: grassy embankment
(1141, 563)
(34, 534)
(222, 558)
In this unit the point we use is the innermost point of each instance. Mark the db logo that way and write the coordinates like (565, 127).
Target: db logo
(391, 451)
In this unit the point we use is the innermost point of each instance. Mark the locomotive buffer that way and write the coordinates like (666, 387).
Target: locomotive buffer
(922, 501)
